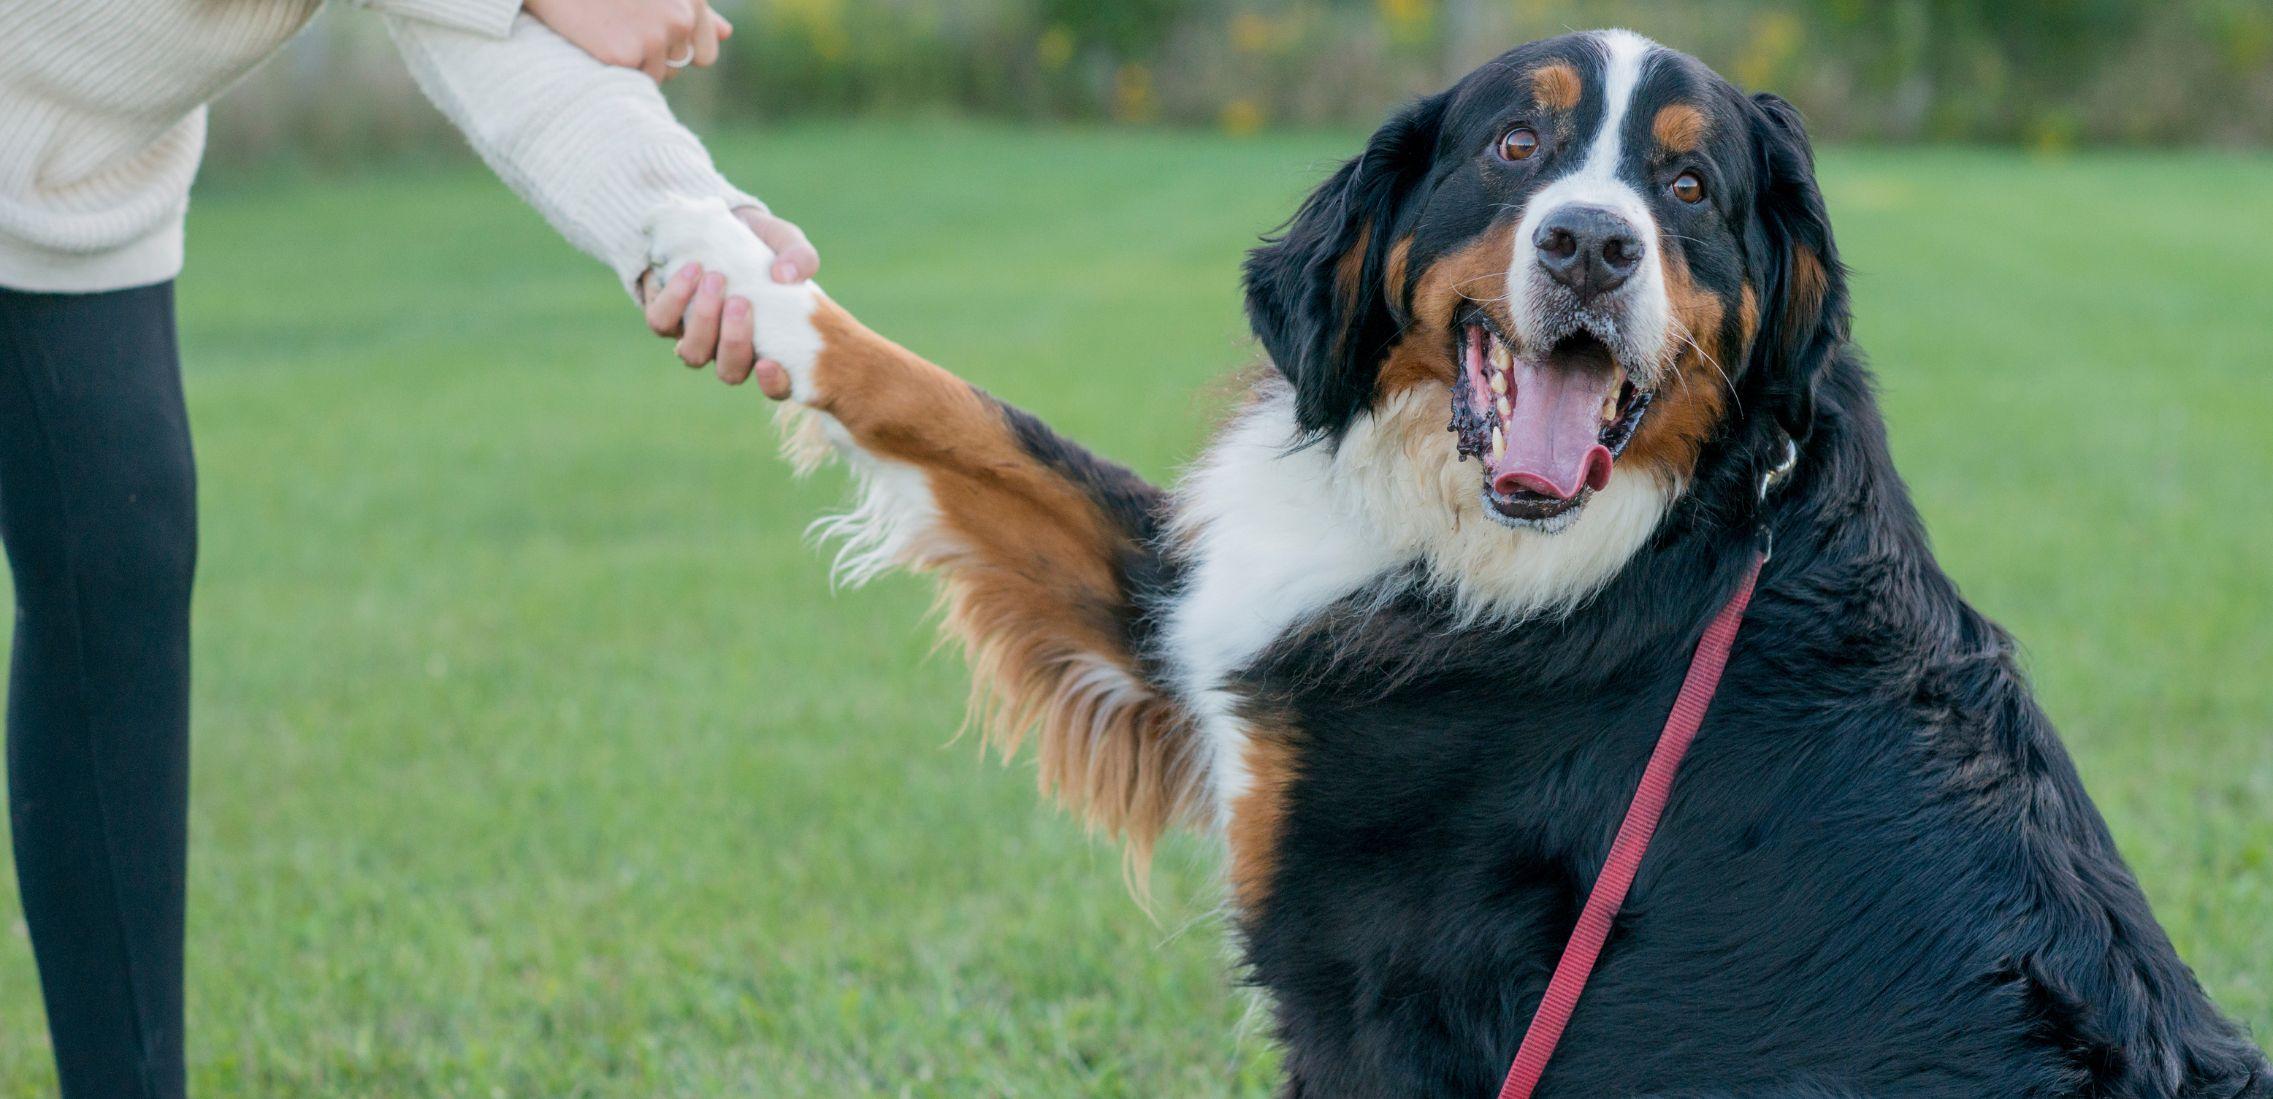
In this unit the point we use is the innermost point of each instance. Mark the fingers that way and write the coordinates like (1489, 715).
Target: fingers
(706, 39)
(666, 308)
(773, 380)
(677, 40)
(700, 343)
(737, 343)
(795, 258)
(657, 37)
(713, 328)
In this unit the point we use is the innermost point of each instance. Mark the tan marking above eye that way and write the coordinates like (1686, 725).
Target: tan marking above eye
(1555, 87)
(1519, 143)
(1679, 127)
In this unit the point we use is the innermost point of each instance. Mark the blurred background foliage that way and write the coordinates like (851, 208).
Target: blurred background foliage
(2047, 74)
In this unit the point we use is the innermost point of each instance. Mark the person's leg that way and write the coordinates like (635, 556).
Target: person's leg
(98, 510)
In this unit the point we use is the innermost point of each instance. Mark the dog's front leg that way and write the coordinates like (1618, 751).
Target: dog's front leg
(1044, 551)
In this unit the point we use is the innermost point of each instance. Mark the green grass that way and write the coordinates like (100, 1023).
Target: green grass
(535, 758)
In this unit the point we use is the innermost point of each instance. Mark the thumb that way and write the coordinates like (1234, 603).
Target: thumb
(795, 258)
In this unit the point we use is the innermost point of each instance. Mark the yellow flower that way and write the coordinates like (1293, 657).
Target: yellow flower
(1055, 48)
(1404, 14)
(823, 23)
(1132, 93)
(1775, 40)
(1242, 117)
(1251, 32)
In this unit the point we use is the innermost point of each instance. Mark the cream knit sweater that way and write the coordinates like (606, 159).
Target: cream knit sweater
(102, 121)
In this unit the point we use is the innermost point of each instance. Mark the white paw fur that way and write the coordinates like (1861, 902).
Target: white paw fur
(705, 231)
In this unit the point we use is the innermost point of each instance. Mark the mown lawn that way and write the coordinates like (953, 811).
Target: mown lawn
(535, 758)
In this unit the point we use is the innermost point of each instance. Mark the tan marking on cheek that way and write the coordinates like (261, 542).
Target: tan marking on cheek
(1477, 272)
(1393, 272)
(1555, 87)
(1418, 359)
(1690, 402)
(1258, 817)
(1679, 128)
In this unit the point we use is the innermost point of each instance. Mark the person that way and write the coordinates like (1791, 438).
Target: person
(102, 122)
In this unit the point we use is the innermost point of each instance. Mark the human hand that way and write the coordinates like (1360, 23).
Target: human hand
(711, 327)
(657, 37)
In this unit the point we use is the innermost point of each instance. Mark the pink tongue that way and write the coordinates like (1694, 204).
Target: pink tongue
(1554, 442)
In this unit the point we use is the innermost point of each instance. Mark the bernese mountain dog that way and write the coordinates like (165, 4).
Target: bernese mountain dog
(1407, 632)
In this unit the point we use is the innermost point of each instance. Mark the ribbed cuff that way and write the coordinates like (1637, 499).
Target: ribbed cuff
(488, 18)
(152, 259)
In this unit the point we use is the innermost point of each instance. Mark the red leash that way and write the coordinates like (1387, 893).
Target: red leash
(1633, 840)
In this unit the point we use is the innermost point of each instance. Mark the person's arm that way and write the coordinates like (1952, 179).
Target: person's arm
(488, 18)
(592, 146)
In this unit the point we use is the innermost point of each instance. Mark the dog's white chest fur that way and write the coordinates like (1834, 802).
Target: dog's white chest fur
(1274, 533)
(1266, 552)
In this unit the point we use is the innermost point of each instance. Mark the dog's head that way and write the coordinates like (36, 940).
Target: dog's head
(1610, 256)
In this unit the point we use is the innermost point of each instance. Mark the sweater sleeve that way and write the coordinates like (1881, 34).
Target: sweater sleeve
(489, 18)
(592, 146)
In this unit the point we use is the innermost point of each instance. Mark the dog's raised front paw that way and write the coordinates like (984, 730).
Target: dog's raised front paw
(705, 231)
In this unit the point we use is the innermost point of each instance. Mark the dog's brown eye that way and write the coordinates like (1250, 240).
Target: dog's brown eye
(1519, 143)
(1688, 188)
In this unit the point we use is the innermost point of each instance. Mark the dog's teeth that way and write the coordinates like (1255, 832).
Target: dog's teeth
(1506, 412)
(1499, 382)
(1499, 445)
(1500, 357)
(1610, 407)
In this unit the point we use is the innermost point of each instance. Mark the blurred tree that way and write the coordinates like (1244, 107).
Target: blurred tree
(1979, 68)
(1126, 29)
(2031, 71)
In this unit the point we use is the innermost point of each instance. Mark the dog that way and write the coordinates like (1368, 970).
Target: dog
(1539, 358)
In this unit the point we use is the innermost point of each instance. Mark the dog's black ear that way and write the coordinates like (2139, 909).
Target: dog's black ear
(1802, 287)
(1315, 293)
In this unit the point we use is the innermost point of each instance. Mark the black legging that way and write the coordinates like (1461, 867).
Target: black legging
(98, 509)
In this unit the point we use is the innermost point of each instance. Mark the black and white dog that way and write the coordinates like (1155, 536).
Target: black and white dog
(1414, 693)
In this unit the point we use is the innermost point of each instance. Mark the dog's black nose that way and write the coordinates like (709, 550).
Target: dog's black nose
(1587, 248)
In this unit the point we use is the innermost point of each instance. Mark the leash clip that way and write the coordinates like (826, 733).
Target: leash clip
(1768, 481)
(1782, 469)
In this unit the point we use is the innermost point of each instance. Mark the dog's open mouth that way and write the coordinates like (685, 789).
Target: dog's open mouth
(1547, 428)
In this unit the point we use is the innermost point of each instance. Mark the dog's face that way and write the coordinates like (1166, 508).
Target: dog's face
(1607, 254)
